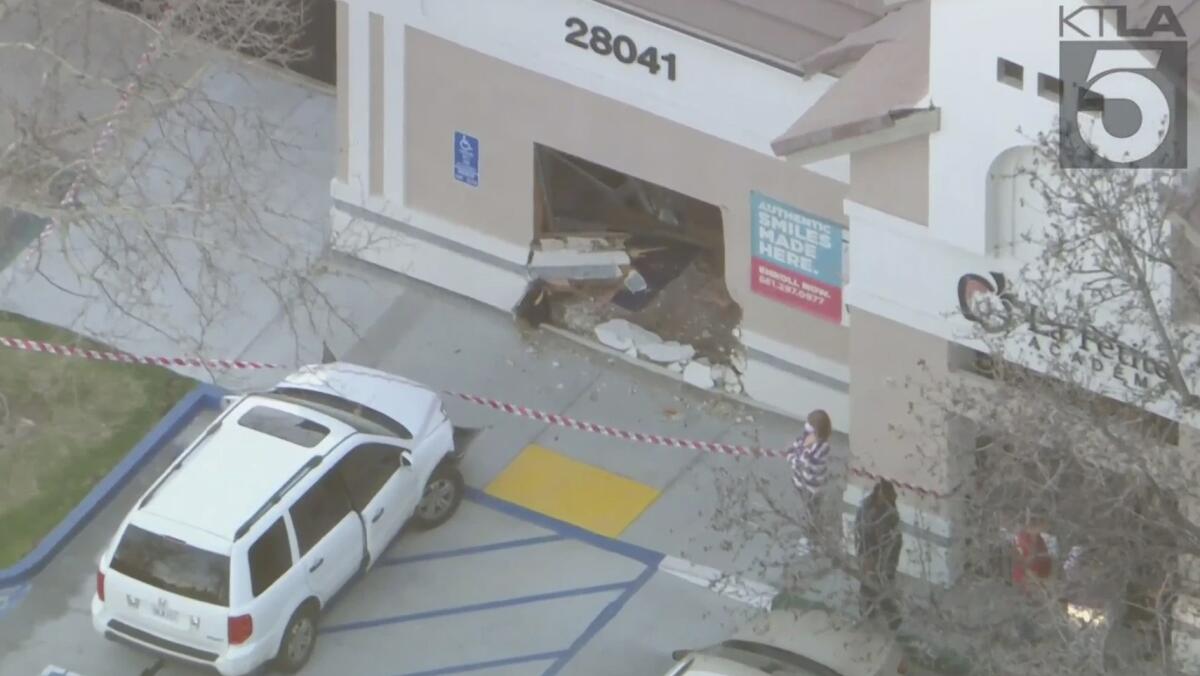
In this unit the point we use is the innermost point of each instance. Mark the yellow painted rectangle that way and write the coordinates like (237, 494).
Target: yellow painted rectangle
(575, 492)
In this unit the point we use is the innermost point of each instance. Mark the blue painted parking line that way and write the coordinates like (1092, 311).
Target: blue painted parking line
(559, 531)
(477, 607)
(610, 611)
(646, 556)
(490, 664)
(632, 551)
(467, 551)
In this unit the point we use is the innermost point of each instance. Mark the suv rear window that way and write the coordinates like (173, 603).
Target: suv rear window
(284, 425)
(173, 565)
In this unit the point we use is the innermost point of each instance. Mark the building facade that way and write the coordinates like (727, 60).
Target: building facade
(506, 89)
(763, 135)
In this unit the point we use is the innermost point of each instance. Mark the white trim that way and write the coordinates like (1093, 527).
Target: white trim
(917, 518)
(896, 224)
(756, 594)
(796, 355)
(435, 226)
(792, 394)
(922, 123)
(933, 325)
(566, 258)
(717, 91)
(428, 261)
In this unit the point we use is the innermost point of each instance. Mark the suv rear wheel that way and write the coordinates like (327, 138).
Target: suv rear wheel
(299, 639)
(443, 494)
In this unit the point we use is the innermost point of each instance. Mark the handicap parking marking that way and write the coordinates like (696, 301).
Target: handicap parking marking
(565, 529)
(581, 588)
(469, 551)
(476, 607)
(571, 491)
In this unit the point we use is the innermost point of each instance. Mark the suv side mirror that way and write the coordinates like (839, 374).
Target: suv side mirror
(229, 400)
(406, 458)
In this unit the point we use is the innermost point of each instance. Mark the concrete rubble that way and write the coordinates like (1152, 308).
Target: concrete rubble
(666, 353)
(636, 341)
(698, 375)
(620, 334)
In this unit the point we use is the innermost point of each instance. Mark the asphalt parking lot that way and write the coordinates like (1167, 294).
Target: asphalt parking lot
(500, 589)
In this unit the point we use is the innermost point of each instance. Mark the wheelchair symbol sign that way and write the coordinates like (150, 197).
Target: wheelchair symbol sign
(466, 159)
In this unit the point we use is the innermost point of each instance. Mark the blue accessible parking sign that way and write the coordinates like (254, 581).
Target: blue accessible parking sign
(466, 159)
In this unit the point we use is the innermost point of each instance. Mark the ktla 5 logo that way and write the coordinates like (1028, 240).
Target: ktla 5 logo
(988, 302)
(1129, 93)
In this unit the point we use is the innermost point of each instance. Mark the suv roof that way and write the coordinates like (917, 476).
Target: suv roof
(233, 470)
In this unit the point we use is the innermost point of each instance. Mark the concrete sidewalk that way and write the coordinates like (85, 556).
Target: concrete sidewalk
(381, 319)
(272, 295)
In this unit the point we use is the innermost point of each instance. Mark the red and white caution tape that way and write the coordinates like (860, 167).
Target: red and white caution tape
(104, 355)
(546, 417)
(153, 51)
(671, 442)
(609, 431)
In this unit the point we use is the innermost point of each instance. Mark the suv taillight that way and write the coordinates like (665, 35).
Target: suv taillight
(100, 585)
(240, 628)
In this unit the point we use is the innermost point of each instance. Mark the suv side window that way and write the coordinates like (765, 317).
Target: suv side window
(319, 510)
(366, 469)
(270, 557)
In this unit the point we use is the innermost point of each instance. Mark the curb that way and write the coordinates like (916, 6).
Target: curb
(656, 369)
(201, 397)
(735, 587)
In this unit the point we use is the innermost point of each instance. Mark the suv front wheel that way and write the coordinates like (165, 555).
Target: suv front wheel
(443, 493)
(299, 639)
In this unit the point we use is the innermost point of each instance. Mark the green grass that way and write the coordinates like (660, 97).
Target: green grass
(69, 422)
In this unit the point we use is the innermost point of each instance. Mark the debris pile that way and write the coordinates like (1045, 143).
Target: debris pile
(635, 341)
(637, 265)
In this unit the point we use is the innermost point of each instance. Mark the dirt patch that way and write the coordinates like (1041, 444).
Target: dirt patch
(64, 424)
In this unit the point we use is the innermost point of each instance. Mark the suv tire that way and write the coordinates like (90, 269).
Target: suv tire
(442, 496)
(299, 639)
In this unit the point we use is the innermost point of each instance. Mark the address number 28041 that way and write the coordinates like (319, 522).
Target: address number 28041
(601, 40)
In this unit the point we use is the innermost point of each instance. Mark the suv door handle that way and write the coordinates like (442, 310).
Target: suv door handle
(315, 566)
(378, 515)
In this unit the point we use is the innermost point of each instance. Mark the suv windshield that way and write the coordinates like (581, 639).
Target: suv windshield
(173, 565)
(360, 417)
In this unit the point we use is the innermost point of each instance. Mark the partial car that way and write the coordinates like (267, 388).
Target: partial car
(798, 643)
(229, 558)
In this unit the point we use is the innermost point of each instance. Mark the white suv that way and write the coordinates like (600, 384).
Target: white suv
(230, 556)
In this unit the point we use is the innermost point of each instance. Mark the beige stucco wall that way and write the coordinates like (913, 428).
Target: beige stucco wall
(893, 178)
(509, 109)
(894, 431)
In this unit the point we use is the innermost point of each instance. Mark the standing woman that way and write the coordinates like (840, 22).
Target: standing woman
(809, 460)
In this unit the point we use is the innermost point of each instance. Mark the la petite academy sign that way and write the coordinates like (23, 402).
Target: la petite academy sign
(992, 305)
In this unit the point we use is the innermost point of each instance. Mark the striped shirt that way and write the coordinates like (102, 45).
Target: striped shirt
(810, 465)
